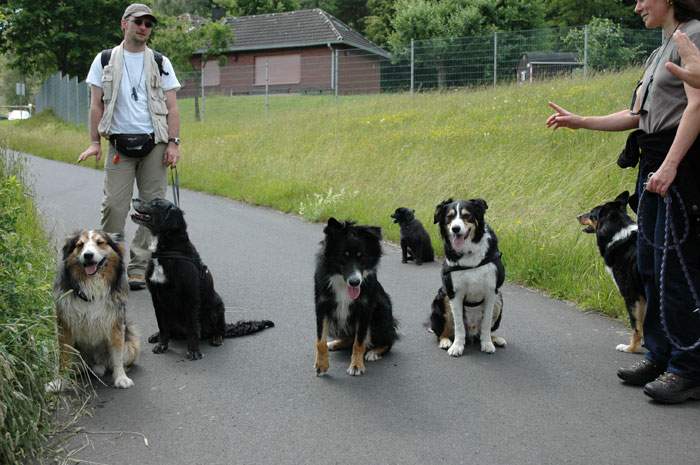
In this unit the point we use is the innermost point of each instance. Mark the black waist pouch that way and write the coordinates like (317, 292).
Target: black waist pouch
(133, 145)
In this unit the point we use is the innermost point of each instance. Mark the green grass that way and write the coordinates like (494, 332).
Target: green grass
(27, 328)
(361, 157)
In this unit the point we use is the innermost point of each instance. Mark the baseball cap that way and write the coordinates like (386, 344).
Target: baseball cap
(136, 10)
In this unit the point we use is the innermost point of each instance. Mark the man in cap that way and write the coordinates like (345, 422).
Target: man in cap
(133, 105)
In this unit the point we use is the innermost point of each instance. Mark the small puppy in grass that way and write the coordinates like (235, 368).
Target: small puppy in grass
(415, 241)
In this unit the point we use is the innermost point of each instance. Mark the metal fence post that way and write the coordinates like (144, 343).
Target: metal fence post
(267, 85)
(413, 64)
(201, 84)
(495, 58)
(585, 50)
(337, 55)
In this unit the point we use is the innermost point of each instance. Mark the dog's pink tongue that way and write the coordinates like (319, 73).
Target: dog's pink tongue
(91, 269)
(354, 292)
(458, 242)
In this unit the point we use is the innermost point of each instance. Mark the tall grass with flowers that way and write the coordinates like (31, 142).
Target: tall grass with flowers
(27, 327)
(391, 150)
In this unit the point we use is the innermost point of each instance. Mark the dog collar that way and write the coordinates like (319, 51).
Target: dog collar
(81, 295)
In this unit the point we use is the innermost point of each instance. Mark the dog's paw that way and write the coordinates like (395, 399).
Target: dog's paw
(123, 382)
(498, 341)
(455, 350)
(488, 347)
(99, 370)
(444, 343)
(355, 370)
(57, 385)
(372, 356)
(628, 349)
(216, 341)
(160, 348)
(153, 338)
(193, 355)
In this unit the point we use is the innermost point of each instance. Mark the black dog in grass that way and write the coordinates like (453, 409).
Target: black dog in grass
(415, 241)
(181, 285)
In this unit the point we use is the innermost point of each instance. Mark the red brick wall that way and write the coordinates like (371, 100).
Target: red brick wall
(358, 73)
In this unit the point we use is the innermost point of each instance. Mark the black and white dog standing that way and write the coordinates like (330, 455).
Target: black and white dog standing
(472, 275)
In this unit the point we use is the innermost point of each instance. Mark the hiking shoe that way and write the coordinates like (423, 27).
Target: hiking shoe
(669, 388)
(137, 282)
(640, 373)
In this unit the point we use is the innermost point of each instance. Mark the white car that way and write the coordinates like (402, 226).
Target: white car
(18, 114)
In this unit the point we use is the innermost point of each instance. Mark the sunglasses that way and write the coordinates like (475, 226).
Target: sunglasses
(145, 22)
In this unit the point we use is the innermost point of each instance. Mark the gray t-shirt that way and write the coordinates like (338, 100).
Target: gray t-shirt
(666, 100)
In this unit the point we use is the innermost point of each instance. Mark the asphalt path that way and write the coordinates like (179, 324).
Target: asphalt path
(550, 397)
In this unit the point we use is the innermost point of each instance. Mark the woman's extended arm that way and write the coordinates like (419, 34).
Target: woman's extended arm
(620, 121)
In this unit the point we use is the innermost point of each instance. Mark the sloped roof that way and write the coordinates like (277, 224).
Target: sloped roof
(301, 28)
(559, 57)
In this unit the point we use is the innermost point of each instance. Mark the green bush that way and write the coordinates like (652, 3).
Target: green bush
(27, 329)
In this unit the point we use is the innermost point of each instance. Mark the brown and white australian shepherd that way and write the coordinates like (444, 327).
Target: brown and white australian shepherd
(90, 293)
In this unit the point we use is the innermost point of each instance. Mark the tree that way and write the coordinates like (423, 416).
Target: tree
(437, 25)
(351, 12)
(43, 36)
(178, 40)
(607, 47)
(578, 13)
(378, 26)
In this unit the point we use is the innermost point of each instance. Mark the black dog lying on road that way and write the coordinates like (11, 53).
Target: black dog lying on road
(415, 241)
(181, 285)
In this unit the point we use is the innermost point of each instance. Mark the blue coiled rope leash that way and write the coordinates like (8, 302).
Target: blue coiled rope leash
(670, 233)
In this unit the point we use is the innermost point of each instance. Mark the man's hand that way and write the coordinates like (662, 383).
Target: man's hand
(690, 58)
(171, 155)
(93, 149)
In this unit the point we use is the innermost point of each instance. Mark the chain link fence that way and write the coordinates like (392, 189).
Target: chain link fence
(428, 65)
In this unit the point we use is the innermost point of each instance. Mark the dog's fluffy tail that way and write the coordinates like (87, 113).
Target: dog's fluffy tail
(245, 327)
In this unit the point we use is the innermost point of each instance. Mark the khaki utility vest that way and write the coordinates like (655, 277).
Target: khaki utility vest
(111, 80)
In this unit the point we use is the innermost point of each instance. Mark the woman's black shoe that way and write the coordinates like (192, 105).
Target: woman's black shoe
(670, 388)
(640, 373)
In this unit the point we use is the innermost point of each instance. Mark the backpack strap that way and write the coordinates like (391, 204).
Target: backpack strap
(107, 54)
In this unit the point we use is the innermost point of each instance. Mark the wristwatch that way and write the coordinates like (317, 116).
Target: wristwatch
(174, 140)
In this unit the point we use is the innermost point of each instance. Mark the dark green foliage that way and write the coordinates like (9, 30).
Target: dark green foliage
(578, 13)
(44, 36)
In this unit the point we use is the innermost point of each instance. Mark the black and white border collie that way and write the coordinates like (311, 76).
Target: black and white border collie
(90, 293)
(351, 304)
(616, 235)
(472, 275)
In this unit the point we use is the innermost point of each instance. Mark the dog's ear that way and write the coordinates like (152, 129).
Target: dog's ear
(623, 198)
(116, 242)
(69, 245)
(333, 225)
(440, 210)
(481, 203)
(374, 232)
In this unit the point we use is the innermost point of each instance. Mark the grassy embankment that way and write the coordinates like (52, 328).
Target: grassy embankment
(27, 330)
(361, 157)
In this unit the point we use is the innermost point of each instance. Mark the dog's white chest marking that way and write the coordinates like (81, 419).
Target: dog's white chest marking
(90, 321)
(342, 299)
(158, 275)
(619, 236)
